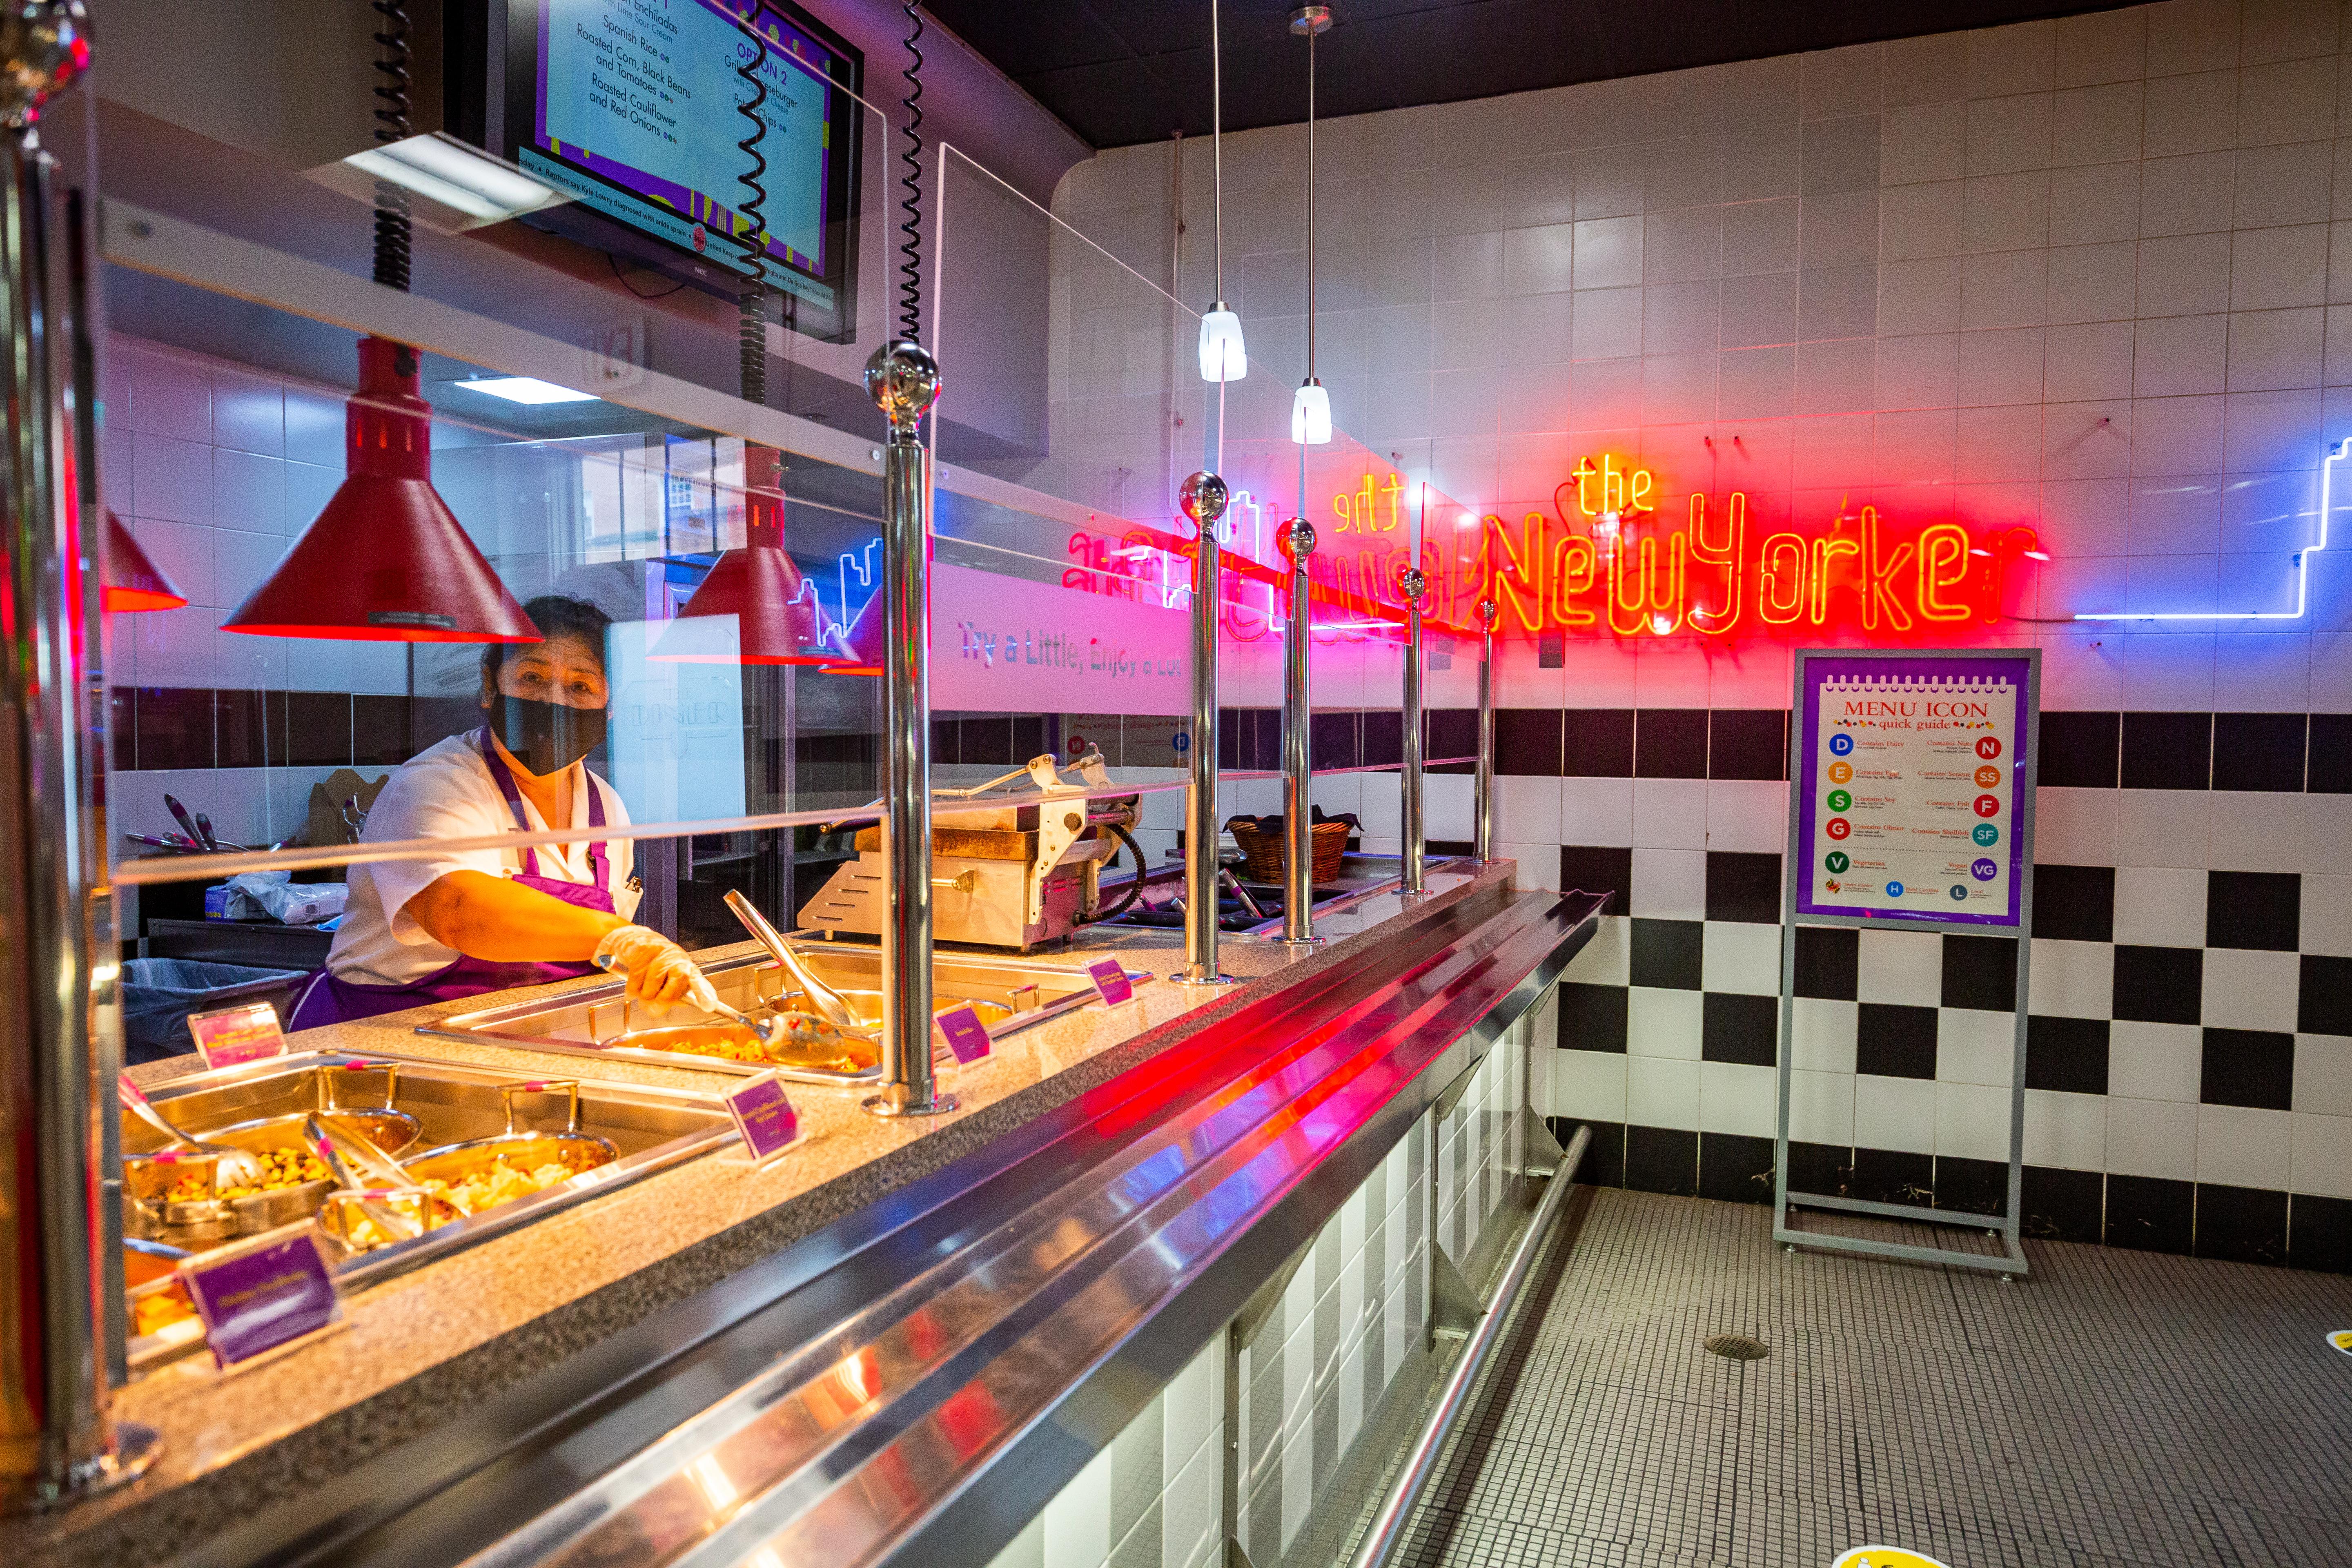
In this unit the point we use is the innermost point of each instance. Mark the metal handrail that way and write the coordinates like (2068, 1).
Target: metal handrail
(1386, 1532)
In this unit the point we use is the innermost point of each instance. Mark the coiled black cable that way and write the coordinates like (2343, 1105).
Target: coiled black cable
(394, 227)
(911, 270)
(1134, 885)
(751, 304)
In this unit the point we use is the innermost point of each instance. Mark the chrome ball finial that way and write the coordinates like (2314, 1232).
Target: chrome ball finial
(1412, 582)
(44, 45)
(1203, 497)
(903, 380)
(1488, 610)
(1297, 540)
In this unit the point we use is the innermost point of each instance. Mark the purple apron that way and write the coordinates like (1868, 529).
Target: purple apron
(328, 999)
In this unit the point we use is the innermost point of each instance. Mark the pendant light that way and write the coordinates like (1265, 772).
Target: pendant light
(1222, 357)
(1310, 410)
(757, 590)
(132, 582)
(386, 561)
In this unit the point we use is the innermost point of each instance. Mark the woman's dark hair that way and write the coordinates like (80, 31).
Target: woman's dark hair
(555, 615)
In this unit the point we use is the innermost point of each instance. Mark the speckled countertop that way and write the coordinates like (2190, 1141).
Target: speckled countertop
(417, 1349)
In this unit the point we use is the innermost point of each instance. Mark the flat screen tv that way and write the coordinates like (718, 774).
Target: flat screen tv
(636, 107)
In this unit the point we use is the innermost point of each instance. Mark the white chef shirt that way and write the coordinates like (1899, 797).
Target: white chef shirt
(447, 792)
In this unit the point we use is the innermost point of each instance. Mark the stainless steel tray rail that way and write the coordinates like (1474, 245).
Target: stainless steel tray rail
(958, 1350)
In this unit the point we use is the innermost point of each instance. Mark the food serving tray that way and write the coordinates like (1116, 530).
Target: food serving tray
(1009, 993)
(650, 1129)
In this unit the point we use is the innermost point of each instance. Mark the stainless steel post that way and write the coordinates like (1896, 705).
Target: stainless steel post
(54, 1439)
(1203, 497)
(1413, 584)
(1482, 831)
(1297, 749)
(904, 381)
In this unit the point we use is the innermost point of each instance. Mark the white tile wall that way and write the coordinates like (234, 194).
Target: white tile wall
(1927, 277)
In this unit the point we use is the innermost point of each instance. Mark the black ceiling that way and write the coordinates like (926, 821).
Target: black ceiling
(1124, 71)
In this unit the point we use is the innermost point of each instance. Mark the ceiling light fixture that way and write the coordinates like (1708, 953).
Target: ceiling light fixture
(1222, 357)
(1310, 409)
(524, 389)
(462, 186)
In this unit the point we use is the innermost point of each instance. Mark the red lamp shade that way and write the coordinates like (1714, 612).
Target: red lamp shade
(756, 592)
(387, 561)
(862, 647)
(132, 582)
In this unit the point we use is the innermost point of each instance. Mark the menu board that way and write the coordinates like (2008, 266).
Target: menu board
(1910, 778)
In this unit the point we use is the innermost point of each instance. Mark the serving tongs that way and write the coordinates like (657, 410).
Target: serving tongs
(385, 1178)
(823, 998)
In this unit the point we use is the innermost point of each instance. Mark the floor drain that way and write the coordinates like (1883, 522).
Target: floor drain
(1737, 1347)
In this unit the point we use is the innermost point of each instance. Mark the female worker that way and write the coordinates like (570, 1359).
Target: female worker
(485, 920)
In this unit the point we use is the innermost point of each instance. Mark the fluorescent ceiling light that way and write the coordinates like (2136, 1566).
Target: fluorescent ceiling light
(526, 389)
(462, 186)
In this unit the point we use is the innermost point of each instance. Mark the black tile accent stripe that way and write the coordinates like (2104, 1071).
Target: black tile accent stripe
(2167, 751)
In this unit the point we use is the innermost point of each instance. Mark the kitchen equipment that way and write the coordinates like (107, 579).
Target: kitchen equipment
(1007, 875)
(204, 832)
(822, 999)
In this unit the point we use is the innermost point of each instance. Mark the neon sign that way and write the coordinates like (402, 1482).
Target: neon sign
(1613, 566)
(2335, 453)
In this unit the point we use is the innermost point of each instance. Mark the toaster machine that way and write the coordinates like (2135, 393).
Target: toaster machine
(1002, 875)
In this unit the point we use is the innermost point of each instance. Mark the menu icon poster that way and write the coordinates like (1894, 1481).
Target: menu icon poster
(1911, 772)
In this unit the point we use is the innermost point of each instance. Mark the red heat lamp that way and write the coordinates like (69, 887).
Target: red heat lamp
(755, 589)
(387, 561)
(132, 582)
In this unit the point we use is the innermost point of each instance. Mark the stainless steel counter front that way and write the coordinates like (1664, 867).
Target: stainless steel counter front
(916, 1381)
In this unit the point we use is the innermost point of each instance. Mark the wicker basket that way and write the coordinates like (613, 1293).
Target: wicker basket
(1264, 855)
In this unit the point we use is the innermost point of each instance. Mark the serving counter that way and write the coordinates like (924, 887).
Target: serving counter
(1200, 1211)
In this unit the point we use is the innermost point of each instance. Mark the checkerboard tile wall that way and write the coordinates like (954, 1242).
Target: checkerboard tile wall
(2188, 1078)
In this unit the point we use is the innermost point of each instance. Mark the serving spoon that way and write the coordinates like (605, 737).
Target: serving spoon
(236, 1167)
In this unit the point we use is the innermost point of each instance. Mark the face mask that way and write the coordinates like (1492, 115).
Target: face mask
(546, 737)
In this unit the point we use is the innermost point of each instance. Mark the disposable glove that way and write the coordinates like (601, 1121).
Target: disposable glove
(659, 973)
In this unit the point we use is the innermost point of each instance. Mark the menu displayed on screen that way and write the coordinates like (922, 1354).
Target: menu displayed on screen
(640, 111)
(1910, 773)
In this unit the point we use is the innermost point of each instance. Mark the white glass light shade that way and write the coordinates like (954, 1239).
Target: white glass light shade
(1310, 415)
(1223, 358)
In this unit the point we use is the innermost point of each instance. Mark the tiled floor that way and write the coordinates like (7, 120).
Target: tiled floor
(2117, 1408)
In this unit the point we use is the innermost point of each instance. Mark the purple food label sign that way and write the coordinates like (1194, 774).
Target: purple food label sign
(966, 1035)
(764, 1116)
(260, 1298)
(1111, 980)
(231, 1036)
